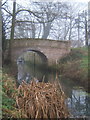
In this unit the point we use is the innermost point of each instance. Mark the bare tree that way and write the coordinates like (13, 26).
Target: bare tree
(43, 16)
(46, 20)
(12, 31)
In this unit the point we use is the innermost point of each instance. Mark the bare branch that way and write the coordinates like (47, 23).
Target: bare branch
(4, 2)
(28, 11)
(7, 11)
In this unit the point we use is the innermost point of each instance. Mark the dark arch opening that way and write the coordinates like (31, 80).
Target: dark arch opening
(43, 57)
(35, 68)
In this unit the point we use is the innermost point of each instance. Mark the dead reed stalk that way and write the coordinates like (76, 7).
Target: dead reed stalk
(41, 100)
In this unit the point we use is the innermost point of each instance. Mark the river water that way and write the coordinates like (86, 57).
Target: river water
(78, 100)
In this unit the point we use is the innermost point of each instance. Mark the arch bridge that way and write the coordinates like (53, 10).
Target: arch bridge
(49, 50)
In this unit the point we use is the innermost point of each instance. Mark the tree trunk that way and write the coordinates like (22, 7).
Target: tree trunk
(89, 46)
(33, 30)
(12, 32)
(86, 34)
(70, 29)
(46, 30)
(78, 30)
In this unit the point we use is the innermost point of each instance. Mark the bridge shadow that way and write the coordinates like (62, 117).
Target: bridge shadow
(43, 57)
(35, 65)
(41, 54)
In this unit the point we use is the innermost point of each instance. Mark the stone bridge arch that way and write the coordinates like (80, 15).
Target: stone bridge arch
(49, 50)
(41, 54)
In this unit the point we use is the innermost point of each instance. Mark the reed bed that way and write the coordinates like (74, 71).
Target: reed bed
(41, 100)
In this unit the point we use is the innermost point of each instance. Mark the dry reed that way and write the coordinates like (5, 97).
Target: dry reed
(41, 100)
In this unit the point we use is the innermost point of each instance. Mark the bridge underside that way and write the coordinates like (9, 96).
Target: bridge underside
(42, 56)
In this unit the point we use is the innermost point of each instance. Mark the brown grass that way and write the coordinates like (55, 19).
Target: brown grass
(34, 100)
(41, 100)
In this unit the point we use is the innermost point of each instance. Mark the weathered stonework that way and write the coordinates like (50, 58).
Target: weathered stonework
(53, 50)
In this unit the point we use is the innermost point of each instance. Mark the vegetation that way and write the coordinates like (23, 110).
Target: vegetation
(58, 24)
(16, 101)
(4, 42)
(46, 20)
(42, 100)
(74, 66)
(8, 90)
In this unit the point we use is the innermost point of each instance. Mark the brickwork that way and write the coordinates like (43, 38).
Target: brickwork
(53, 50)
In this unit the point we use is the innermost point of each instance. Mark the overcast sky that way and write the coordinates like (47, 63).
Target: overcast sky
(24, 3)
(82, 4)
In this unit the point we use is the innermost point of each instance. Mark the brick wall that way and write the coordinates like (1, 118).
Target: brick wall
(52, 49)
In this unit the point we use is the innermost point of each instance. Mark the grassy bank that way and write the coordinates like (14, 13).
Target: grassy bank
(74, 66)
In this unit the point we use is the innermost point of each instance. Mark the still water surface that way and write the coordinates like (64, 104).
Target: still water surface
(78, 100)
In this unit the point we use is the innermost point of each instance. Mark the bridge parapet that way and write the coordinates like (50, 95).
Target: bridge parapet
(41, 42)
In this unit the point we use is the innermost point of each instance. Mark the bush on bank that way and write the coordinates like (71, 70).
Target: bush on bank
(74, 66)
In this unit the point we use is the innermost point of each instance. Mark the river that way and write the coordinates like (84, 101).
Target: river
(78, 100)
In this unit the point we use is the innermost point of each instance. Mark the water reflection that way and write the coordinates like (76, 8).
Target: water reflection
(30, 67)
(78, 101)
(28, 71)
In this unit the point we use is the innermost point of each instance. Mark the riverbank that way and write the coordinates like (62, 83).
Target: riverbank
(74, 66)
(9, 91)
(45, 96)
